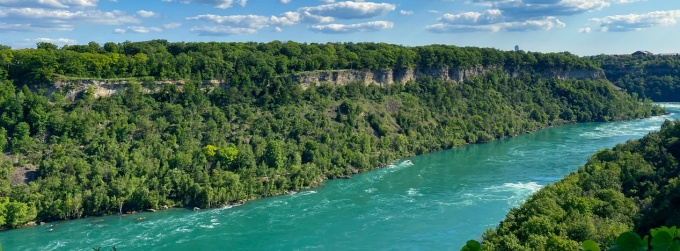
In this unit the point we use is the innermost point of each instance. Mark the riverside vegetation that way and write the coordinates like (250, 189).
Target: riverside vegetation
(656, 77)
(632, 186)
(261, 133)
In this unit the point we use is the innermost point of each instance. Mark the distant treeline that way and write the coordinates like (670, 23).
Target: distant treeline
(631, 187)
(206, 147)
(656, 77)
(248, 63)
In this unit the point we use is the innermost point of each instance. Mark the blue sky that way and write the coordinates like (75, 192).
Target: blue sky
(583, 27)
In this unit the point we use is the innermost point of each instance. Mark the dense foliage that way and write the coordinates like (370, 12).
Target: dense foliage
(194, 145)
(247, 64)
(662, 238)
(656, 77)
(633, 186)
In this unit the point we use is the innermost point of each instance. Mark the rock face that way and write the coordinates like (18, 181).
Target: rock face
(403, 75)
(105, 88)
(383, 77)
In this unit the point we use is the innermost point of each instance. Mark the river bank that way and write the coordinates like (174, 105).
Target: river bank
(445, 198)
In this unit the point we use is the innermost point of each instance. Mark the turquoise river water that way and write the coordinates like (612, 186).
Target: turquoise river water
(435, 201)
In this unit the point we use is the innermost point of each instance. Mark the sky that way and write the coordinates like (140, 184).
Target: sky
(582, 27)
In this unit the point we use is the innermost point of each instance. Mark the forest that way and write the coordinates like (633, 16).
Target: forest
(630, 187)
(656, 77)
(262, 134)
(249, 65)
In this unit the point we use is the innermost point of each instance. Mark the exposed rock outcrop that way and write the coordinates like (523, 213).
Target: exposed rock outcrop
(403, 75)
(382, 77)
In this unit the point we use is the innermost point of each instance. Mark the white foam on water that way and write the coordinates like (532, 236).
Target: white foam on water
(669, 105)
(306, 193)
(183, 230)
(405, 163)
(531, 186)
(144, 237)
(371, 190)
(628, 128)
(457, 203)
(277, 203)
(413, 192)
(518, 191)
(55, 245)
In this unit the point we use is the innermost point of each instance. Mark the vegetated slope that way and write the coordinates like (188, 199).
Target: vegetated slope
(632, 186)
(210, 146)
(656, 77)
(247, 64)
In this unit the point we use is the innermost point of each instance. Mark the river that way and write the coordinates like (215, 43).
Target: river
(435, 201)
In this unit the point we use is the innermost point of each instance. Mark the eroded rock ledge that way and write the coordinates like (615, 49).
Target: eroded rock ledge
(383, 77)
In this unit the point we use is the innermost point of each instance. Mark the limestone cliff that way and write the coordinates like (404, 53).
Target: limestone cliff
(403, 75)
(104, 88)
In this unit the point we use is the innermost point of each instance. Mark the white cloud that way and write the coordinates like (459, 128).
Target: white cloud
(242, 24)
(222, 30)
(278, 29)
(36, 19)
(24, 27)
(406, 12)
(624, 1)
(349, 10)
(220, 4)
(633, 22)
(250, 21)
(170, 26)
(327, 1)
(248, 24)
(584, 30)
(487, 17)
(142, 29)
(286, 19)
(146, 13)
(243, 21)
(519, 10)
(485, 22)
(137, 29)
(350, 28)
(49, 3)
(242, 2)
(56, 41)
(25, 43)
(310, 18)
(284, 1)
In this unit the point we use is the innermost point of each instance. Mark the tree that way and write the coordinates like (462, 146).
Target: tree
(3, 139)
(274, 155)
(46, 46)
(227, 155)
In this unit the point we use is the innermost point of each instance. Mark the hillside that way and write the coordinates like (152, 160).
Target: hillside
(257, 133)
(630, 187)
(656, 77)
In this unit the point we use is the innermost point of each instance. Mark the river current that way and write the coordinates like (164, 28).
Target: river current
(436, 201)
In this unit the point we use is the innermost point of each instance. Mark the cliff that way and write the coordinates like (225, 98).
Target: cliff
(383, 77)
(403, 75)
